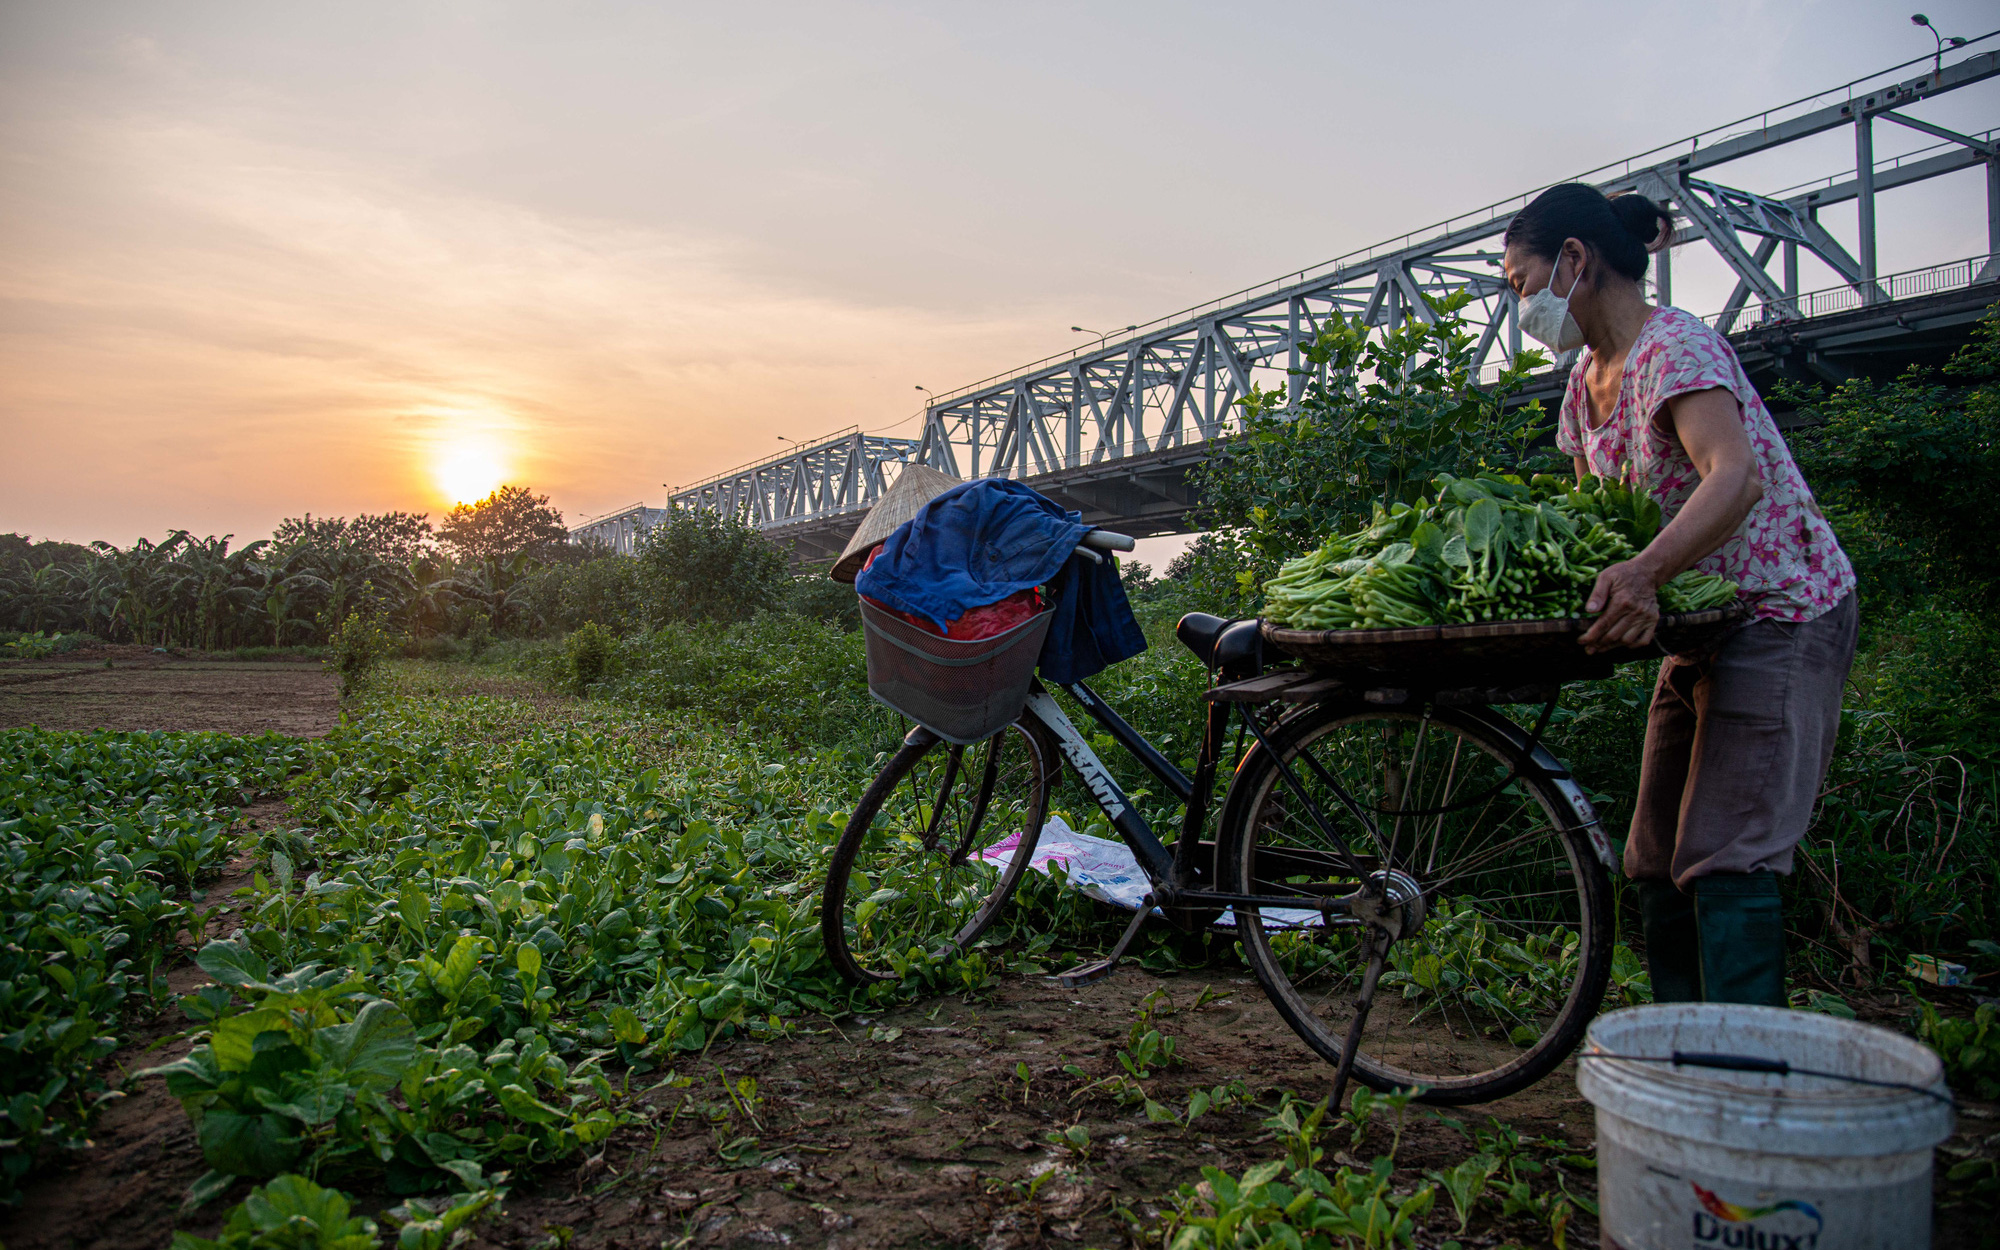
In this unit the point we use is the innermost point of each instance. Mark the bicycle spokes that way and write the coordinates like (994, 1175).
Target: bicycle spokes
(1489, 971)
(932, 852)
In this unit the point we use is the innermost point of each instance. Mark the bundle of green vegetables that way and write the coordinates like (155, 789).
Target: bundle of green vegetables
(1490, 548)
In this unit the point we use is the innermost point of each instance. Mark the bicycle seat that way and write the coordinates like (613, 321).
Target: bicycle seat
(1219, 642)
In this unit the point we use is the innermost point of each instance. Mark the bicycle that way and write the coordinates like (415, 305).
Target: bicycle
(1370, 843)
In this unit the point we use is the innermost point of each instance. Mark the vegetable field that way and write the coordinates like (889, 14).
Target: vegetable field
(521, 969)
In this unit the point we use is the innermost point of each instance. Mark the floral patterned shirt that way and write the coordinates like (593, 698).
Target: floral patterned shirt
(1784, 557)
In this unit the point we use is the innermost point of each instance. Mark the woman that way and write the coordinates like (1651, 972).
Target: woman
(1737, 741)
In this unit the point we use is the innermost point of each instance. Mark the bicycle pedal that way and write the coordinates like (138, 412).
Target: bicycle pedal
(1086, 974)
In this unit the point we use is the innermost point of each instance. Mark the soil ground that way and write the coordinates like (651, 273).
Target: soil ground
(912, 1128)
(130, 687)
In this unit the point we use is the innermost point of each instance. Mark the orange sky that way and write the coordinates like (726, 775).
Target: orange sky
(258, 260)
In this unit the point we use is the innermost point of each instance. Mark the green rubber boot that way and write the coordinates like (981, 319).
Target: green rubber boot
(1673, 945)
(1742, 924)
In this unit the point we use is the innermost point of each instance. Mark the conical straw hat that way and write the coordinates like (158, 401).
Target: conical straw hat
(915, 486)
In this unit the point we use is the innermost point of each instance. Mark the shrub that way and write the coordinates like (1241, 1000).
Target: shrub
(1378, 418)
(1906, 466)
(803, 680)
(587, 657)
(604, 589)
(818, 597)
(356, 647)
(701, 566)
(435, 647)
(1933, 671)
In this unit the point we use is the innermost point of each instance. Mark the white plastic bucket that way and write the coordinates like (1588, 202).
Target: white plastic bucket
(1689, 1158)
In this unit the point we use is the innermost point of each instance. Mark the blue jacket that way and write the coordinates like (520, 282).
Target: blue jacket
(984, 540)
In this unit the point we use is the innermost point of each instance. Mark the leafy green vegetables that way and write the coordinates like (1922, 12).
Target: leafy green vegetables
(487, 910)
(101, 836)
(1490, 548)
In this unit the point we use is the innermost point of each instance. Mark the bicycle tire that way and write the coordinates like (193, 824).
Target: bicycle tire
(928, 897)
(1526, 945)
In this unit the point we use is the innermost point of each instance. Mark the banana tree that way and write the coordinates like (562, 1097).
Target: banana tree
(286, 579)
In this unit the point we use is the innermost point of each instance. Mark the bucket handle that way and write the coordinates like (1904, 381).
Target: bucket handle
(1755, 1063)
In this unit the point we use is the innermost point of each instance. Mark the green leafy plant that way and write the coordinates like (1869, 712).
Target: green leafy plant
(1970, 1047)
(290, 1213)
(356, 648)
(1465, 1183)
(1075, 1140)
(441, 1223)
(1512, 979)
(34, 646)
(314, 1071)
(1310, 1209)
(1488, 548)
(1298, 1130)
(98, 834)
(586, 657)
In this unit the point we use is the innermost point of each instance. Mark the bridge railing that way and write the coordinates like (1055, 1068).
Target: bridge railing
(1909, 284)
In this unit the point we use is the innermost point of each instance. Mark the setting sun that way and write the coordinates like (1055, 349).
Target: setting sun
(467, 471)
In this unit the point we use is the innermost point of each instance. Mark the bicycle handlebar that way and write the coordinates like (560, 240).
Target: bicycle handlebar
(1105, 540)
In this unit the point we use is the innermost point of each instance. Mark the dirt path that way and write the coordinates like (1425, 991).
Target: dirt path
(131, 688)
(914, 1128)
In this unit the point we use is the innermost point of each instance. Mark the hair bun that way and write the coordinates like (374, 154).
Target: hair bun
(1646, 221)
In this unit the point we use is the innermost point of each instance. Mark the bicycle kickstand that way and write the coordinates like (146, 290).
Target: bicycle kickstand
(1377, 951)
(1084, 974)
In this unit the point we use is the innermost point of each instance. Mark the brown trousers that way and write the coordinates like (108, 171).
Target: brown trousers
(1737, 744)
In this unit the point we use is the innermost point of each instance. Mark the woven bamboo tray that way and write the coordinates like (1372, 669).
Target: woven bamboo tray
(1492, 653)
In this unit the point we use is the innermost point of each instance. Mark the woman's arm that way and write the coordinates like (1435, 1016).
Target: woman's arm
(1626, 596)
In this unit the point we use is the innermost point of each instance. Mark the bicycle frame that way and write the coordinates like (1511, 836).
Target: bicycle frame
(1178, 876)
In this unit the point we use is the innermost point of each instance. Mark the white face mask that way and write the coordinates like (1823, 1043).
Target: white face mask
(1545, 315)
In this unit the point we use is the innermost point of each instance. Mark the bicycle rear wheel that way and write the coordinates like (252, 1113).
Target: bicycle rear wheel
(1507, 960)
(934, 849)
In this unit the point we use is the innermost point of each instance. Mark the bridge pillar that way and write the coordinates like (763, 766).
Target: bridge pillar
(1991, 269)
(1864, 200)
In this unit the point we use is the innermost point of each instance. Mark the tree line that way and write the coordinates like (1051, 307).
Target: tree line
(474, 572)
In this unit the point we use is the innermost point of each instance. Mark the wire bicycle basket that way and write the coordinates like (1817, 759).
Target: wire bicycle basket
(964, 692)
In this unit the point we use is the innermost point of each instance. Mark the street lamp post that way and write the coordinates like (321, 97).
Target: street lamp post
(1943, 41)
(1101, 337)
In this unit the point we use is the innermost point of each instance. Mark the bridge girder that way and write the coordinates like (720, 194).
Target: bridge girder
(831, 476)
(1150, 398)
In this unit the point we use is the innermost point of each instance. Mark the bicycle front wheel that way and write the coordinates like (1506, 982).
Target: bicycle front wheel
(1507, 933)
(934, 849)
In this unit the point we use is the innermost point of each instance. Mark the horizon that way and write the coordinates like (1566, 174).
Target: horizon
(246, 282)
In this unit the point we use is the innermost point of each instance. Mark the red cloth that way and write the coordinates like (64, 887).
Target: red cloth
(987, 622)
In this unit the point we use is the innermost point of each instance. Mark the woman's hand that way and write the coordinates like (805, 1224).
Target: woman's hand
(1626, 602)
(1626, 598)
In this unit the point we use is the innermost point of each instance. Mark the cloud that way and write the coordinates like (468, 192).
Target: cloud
(202, 328)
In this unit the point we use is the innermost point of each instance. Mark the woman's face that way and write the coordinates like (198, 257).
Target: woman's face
(1528, 273)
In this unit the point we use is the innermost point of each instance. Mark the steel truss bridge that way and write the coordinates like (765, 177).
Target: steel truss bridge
(1113, 430)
